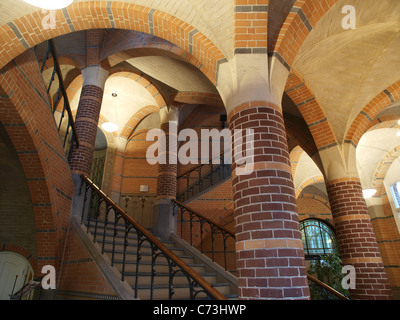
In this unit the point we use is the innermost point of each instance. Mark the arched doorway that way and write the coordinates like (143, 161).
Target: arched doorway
(15, 272)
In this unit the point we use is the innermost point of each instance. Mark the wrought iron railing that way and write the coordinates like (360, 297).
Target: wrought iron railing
(27, 292)
(192, 224)
(70, 134)
(106, 210)
(203, 176)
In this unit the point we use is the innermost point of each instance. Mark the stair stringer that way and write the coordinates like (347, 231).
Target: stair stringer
(111, 274)
(222, 274)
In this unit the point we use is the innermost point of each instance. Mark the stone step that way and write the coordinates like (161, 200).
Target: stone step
(181, 292)
(130, 266)
(162, 278)
(145, 256)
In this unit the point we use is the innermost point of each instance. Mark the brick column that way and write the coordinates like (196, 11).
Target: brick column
(270, 255)
(167, 172)
(356, 239)
(86, 124)
(164, 222)
(87, 119)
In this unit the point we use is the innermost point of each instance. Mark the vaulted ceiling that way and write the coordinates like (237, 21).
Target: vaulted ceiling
(344, 69)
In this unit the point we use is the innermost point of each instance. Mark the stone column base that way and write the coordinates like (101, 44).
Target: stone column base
(164, 221)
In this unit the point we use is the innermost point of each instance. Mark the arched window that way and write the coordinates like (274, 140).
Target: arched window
(318, 238)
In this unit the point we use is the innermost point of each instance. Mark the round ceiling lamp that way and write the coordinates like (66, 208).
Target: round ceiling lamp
(110, 126)
(50, 4)
(369, 193)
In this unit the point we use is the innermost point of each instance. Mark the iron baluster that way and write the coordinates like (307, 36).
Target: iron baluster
(171, 266)
(57, 100)
(62, 117)
(201, 234)
(138, 259)
(191, 228)
(225, 237)
(214, 229)
(66, 135)
(212, 242)
(128, 228)
(175, 264)
(108, 208)
(87, 187)
(51, 80)
(117, 217)
(154, 256)
(45, 59)
(97, 212)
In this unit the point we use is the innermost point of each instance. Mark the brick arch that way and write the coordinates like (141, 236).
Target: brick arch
(28, 121)
(367, 116)
(203, 53)
(295, 155)
(8, 247)
(308, 182)
(77, 83)
(383, 123)
(301, 20)
(297, 135)
(311, 110)
(317, 198)
(136, 119)
(382, 169)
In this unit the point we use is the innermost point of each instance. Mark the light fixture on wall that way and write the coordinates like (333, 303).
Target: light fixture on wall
(50, 4)
(369, 193)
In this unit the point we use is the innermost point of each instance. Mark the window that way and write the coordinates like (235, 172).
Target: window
(318, 238)
(396, 195)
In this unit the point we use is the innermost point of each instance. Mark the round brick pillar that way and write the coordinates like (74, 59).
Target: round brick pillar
(270, 255)
(87, 119)
(164, 221)
(356, 239)
(168, 150)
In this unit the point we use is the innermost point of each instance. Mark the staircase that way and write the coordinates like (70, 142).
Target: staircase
(153, 269)
(140, 277)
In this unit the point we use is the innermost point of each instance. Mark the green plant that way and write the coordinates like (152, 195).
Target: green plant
(327, 269)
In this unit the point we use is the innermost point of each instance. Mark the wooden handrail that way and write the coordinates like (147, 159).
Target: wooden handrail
(179, 262)
(326, 287)
(206, 219)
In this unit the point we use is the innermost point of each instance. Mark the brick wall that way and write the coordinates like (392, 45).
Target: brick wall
(80, 277)
(136, 170)
(26, 115)
(17, 223)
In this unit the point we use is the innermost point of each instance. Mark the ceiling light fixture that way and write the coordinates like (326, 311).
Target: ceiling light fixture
(50, 4)
(110, 126)
(369, 193)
